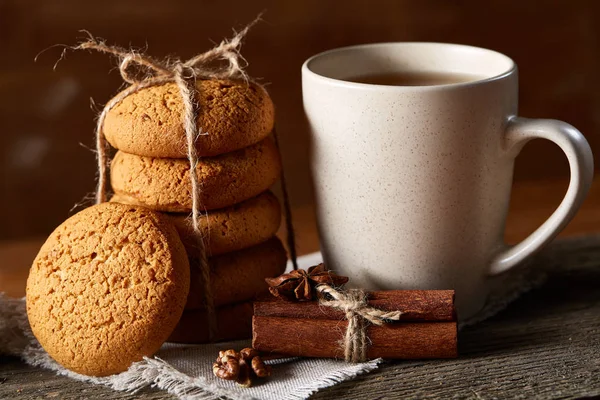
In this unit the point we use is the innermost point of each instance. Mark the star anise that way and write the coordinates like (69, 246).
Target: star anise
(300, 284)
(241, 367)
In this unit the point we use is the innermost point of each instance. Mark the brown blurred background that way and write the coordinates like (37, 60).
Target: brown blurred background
(46, 122)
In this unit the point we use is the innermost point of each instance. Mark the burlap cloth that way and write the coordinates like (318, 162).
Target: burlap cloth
(185, 370)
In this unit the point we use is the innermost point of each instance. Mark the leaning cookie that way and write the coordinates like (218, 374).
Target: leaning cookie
(239, 276)
(163, 184)
(107, 288)
(233, 115)
(233, 322)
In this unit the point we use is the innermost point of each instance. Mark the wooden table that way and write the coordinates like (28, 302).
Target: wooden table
(544, 345)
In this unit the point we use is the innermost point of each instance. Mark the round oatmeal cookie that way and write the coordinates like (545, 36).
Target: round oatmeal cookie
(163, 184)
(239, 276)
(233, 115)
(234, 322)
(233, 228)
(107, 288)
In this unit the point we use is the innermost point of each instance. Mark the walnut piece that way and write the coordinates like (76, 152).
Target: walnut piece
(227, 365)
(241, 367)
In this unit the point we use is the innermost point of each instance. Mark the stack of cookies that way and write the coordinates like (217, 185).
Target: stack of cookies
(239, 161)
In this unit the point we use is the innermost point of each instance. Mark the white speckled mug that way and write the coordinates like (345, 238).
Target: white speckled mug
(412, 183)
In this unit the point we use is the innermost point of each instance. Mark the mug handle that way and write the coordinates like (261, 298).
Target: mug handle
(520, 131)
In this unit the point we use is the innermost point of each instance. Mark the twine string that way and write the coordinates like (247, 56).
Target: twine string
(359, 315)
(287, 210)
(191, 109)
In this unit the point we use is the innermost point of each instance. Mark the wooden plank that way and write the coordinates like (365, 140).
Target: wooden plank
(20, 381)
(531, 204)
(545, 345)
(17, 256)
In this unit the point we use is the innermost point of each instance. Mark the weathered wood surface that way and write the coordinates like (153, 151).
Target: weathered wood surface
(546, 345)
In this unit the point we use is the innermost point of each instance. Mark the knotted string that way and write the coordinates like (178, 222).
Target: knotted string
(141, 71)
(287, 209)
(359, 314)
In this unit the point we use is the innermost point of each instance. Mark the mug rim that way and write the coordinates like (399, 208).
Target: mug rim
(307, 71)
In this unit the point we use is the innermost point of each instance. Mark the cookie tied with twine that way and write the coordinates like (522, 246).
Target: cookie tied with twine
(141, 71)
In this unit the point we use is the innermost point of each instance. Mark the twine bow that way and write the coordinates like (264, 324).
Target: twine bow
(141, 71)
(359, 314)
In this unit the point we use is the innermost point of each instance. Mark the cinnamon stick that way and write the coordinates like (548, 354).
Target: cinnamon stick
(416, 305)
(322, 337)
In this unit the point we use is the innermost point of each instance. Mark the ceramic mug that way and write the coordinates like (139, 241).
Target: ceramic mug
(412, 183)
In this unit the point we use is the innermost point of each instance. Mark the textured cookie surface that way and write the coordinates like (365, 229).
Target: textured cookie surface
(107, 288)
(233, 228)
(233, 322)
(232, 115)
(163, 184)
(239, 276)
